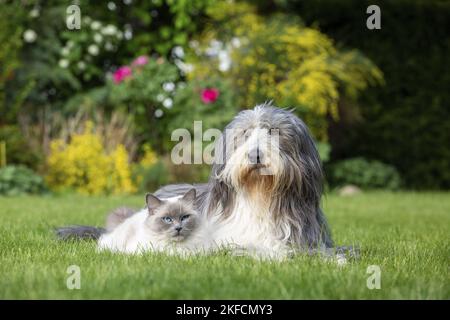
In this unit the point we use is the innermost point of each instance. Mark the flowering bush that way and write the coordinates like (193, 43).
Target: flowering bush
(86, 51)
(276, 58)
(83, 165)
(210, 100)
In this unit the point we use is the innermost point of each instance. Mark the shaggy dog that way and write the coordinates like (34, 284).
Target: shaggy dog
(266, 184)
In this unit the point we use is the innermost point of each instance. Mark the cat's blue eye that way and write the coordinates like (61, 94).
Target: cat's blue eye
(185, 217)
(167, 219)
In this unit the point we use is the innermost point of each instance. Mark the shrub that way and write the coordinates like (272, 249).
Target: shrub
(364, 174)
(405, 123)
(210, 100)
(18, 150)
(16, 180)
(84, 165)
(278, 58)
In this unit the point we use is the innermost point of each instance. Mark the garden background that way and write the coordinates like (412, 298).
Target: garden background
(86, 115)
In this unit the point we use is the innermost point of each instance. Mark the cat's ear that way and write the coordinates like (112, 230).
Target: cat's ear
(152, 201)
(189, 196)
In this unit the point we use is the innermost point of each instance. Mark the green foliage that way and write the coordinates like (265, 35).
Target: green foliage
(144, 95)
(150, 178)
(10, 38)
(87, 52)
(17, 149)
(324, 150)
(364, 174)
(188, 107)
(405, 122)
(278, 58)
(17, 180)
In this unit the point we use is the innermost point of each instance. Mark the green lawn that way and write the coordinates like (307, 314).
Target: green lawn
(406, 234)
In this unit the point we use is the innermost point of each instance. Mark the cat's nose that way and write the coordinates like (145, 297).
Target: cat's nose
(178, 228)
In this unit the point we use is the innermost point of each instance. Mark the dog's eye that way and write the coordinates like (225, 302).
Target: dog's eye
(167, 219)
(186, 216)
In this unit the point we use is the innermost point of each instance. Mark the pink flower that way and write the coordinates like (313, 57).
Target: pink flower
(121, 74)
(209, 95)
(140, 61)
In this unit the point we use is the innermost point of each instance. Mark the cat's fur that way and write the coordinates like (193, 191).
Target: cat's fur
(118, 216)
(172, 225)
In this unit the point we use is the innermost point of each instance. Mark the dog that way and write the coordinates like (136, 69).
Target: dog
(264, 193)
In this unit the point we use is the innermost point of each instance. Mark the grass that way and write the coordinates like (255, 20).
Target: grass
(406, 234)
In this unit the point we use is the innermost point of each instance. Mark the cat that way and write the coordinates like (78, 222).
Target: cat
(172, 225)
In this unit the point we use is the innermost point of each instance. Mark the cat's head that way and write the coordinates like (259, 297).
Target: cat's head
(173, 219)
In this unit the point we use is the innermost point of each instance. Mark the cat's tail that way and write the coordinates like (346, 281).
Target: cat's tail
(76, 232)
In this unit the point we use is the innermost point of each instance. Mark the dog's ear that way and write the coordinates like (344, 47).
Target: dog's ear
(190, 196)
(152, 201)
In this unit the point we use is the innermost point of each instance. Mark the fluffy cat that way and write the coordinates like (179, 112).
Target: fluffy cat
(171, 225)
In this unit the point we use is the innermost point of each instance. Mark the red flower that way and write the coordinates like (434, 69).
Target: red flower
(209, 95)
(121, 74)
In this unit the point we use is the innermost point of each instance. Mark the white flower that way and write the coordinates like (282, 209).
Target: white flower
(109, 30)
(128, 34)
(168, 86)
(98, 38)
(34, 13)
(184, 67)
(29, 36)
(93, 49)
(63, 63)
(109, 46)
(111, 6)
(158, 113)
(119, 35)
(235, 42)
(168, 103)
(65, 51)
(95, 25)
(70, 44)
(224, 61)
(181, 85)
(178, 52)
(81, 65)
(160, 97)
(87, 20)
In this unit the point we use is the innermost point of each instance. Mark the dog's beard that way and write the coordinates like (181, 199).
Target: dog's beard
(245, 176)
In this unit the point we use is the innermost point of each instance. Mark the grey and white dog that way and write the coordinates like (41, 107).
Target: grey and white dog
(264, 192)
(265, 187)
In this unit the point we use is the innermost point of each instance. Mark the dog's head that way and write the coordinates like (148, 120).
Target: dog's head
(267, 148)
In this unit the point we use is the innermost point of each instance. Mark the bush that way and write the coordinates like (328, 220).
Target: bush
(84, 165)
(364, 174)
(18, 150)
(278, 58)
(16, 180)
(405, 123)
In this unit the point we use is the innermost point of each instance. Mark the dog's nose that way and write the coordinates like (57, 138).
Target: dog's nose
(255, 156)
(178, 229)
